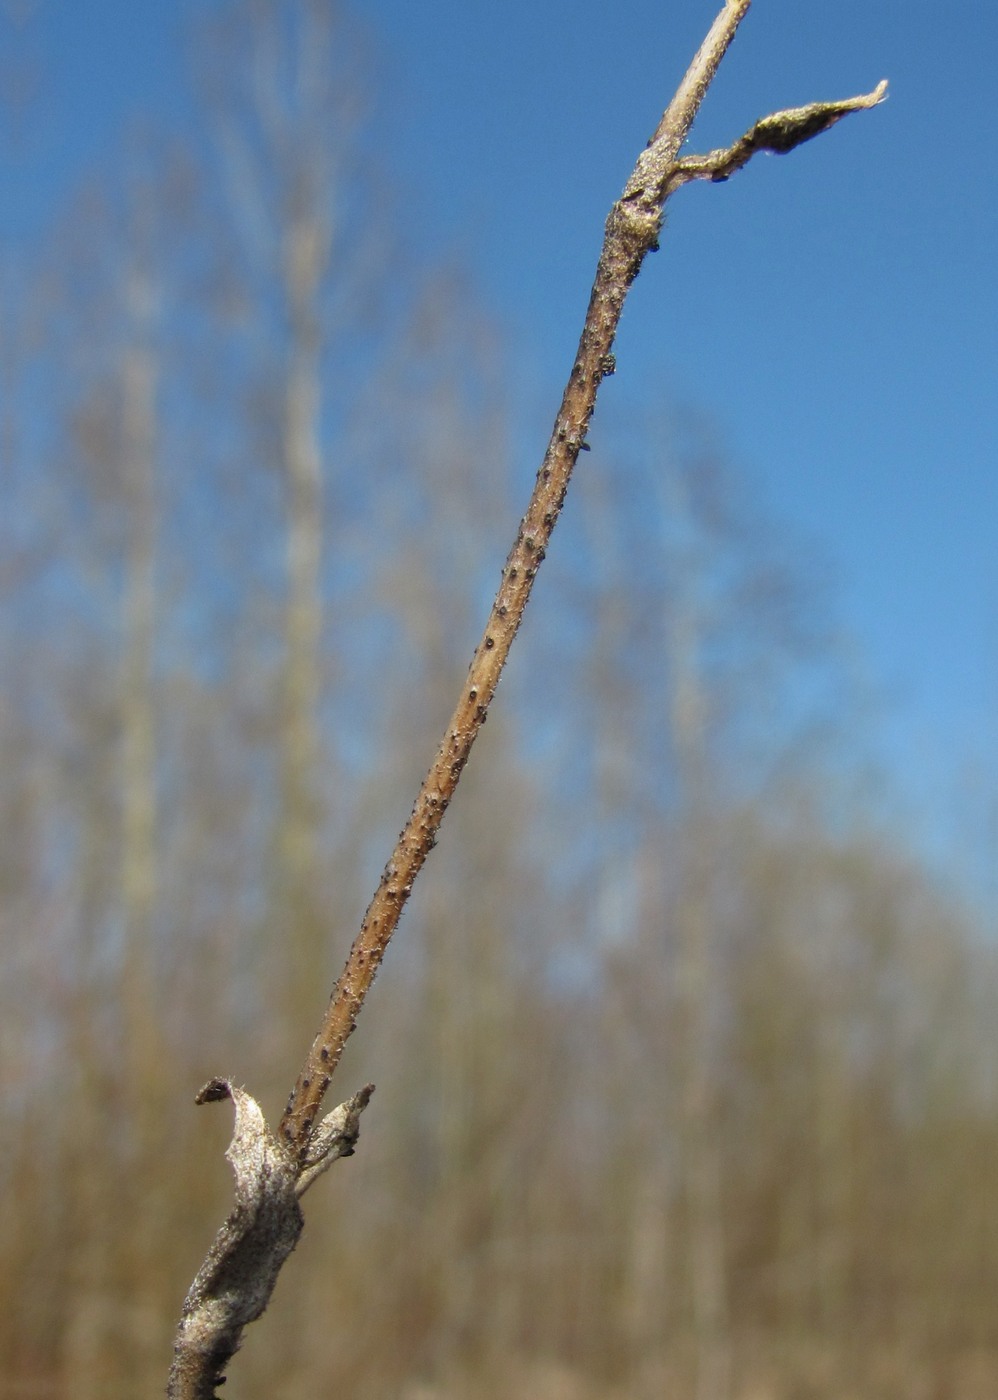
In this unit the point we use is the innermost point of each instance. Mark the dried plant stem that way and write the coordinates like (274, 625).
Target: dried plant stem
(272, 1171)
(631, 232)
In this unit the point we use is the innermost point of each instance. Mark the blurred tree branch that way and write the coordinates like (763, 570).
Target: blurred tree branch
(274, 1168)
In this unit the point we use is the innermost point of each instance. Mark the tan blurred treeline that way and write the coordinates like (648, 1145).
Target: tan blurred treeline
(686, 1072)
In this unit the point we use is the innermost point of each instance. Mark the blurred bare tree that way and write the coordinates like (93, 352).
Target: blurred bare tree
(284, 84)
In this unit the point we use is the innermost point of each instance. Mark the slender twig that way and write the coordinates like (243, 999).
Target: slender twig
(272, 1171)
(631, 232)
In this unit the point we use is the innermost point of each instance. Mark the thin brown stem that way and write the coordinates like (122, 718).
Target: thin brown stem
(271, 1172)
(631, 232)
(678, 117)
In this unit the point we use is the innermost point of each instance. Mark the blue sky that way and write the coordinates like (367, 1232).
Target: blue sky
(834, 311)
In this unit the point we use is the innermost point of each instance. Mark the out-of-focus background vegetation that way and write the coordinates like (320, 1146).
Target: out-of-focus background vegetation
(685, 1058)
